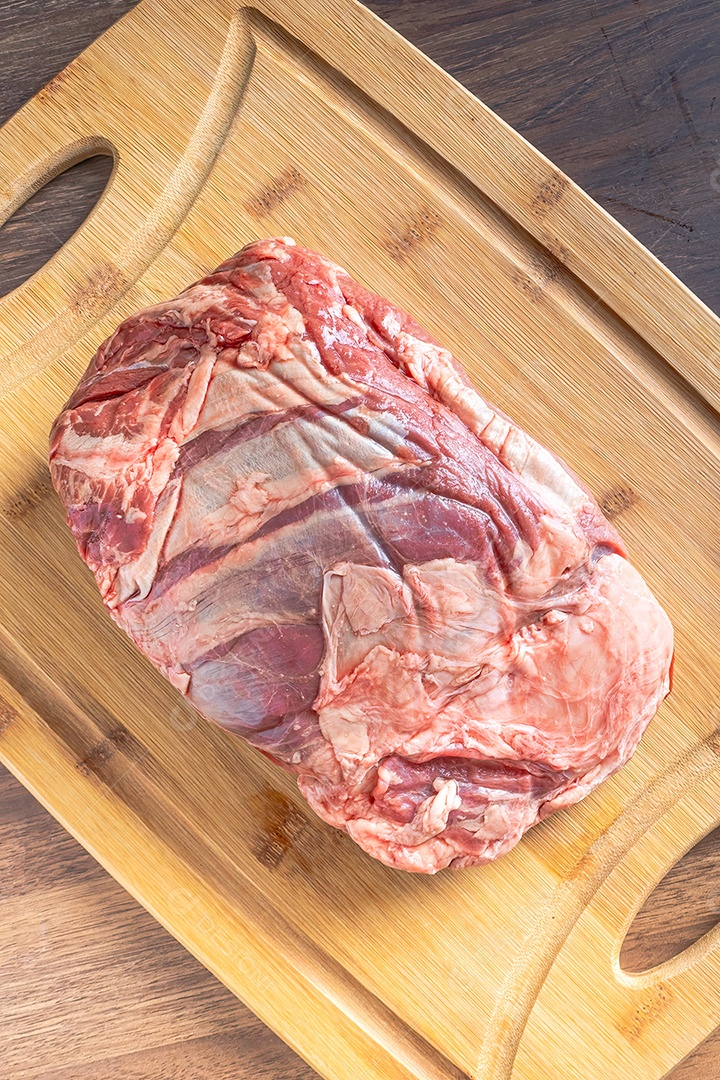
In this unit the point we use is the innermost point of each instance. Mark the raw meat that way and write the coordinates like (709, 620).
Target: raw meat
(301, 510)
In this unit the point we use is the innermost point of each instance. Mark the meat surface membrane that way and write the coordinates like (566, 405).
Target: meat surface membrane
(301, 510)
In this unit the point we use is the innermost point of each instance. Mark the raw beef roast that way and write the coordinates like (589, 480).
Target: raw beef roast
(300, 509)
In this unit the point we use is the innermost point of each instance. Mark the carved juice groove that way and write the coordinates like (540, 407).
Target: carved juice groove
(571, 899)
(518, 179)
(211, 863)
(106, 286)
(540, 267)
(100, 755)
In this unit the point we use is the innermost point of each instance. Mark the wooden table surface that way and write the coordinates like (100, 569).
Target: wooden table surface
(622, 96)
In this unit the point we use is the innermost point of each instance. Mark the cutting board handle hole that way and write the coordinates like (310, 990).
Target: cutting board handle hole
(680, 910)
(27, 241)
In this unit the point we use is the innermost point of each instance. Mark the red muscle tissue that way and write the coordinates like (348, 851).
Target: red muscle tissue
(298, 506)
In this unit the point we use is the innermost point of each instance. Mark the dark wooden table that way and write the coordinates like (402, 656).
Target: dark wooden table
(622, 95)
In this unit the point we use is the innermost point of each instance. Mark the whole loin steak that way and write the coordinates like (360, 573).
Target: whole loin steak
(298, 506)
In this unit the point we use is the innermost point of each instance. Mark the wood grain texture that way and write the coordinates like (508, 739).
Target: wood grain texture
(93, 986)
(512, 39)
(623, 97)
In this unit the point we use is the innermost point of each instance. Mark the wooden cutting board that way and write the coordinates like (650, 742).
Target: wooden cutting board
(316, 120)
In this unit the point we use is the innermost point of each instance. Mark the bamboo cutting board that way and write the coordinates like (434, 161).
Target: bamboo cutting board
(316, 120)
